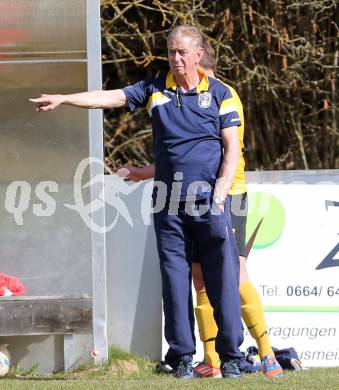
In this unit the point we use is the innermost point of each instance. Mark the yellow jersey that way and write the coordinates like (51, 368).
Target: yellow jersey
(239, 183)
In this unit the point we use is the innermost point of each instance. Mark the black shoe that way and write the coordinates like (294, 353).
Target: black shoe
(183, 371)
(230, 369)
(163, 368)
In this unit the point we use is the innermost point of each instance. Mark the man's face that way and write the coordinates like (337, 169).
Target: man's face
(183, 55)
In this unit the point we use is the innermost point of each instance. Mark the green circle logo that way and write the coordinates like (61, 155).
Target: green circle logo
(265, 220)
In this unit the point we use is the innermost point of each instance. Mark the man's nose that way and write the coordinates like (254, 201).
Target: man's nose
(177, 57)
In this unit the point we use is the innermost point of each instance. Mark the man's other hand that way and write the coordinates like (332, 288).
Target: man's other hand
(130, 172)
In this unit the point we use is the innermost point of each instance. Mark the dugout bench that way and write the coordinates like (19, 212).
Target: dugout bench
(67, 315)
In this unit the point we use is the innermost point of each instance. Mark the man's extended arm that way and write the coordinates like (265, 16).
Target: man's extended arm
(93, 99)
(230, 161)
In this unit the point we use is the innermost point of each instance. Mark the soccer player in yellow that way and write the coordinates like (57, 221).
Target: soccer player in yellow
(251, 306)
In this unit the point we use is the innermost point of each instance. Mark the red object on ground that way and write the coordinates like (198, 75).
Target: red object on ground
(12, 284)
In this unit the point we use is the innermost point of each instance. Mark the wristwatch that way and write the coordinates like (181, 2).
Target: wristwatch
(219, 201)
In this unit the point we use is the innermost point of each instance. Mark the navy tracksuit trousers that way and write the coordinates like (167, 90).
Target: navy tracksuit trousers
(213, 241)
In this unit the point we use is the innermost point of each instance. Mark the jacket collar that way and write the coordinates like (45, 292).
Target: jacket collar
(202, 86)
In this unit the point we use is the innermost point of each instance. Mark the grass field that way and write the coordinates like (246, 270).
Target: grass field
(126, 371)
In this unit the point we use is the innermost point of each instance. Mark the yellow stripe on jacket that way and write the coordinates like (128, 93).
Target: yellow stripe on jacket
(156, 99)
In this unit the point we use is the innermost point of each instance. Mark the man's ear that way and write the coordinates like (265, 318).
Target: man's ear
(200, 53)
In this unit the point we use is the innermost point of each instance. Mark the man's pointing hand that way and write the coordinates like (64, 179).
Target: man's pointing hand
(47, 102)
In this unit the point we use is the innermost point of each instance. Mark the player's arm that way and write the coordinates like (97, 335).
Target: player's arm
(92, 99)
(133, 173)
(229, 164)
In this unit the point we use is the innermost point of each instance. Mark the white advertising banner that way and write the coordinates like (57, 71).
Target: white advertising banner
(294, 264)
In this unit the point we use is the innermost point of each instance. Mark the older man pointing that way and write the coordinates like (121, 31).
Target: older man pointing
(196, 152)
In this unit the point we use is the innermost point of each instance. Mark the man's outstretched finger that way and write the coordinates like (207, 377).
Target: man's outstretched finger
(38, 100)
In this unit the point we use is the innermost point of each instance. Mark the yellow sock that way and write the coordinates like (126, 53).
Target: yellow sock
(253, 316)
(210, 356)
(207, 328)
(202, 298)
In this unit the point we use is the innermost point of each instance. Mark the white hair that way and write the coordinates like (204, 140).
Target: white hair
(188, 31)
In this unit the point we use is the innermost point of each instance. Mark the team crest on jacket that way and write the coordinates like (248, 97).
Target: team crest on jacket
(204, 99)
